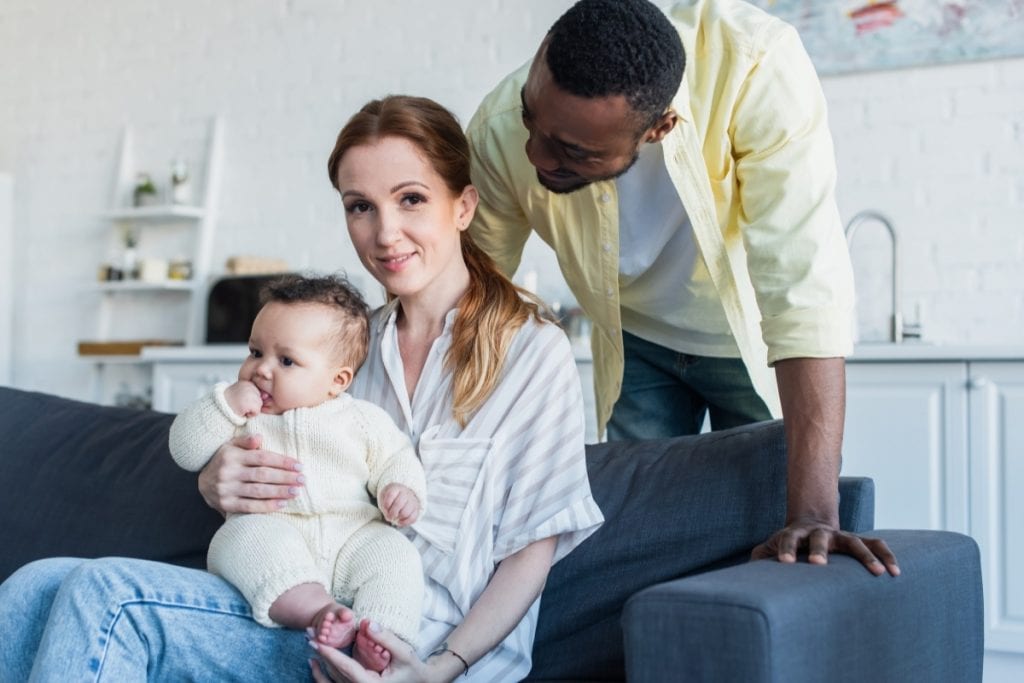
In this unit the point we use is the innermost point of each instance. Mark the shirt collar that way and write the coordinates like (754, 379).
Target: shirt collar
(388, 314)
(684, 17)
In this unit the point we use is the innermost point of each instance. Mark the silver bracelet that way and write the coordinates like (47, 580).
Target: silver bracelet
(443, 647)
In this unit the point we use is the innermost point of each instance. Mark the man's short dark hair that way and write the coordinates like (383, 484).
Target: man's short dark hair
(335, 291)
(602, 48)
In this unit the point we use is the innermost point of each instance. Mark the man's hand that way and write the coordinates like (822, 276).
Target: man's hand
(399, 504)
(813, 395)
(244, 398)
(819, 540)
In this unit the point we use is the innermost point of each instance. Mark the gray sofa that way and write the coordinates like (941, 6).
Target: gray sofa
(669, 594)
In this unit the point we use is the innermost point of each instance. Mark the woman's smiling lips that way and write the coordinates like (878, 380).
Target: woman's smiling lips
(395, 263)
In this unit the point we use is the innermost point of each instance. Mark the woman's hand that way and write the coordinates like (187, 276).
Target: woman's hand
(405, 666)
(241, 478)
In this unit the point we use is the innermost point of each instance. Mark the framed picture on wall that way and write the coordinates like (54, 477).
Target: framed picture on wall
(843, 36)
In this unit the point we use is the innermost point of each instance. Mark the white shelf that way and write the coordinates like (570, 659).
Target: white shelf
(186, 224)
(140, 286)
(154, 214)
(112, 359)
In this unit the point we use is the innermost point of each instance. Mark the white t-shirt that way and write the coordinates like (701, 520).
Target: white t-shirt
(515, 474)
(665, 292)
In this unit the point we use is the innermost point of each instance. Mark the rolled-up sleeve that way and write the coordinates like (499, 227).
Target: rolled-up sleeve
(786, 174)
(546, 486)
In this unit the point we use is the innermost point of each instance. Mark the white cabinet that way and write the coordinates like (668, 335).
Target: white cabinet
(997, 496)
(175, 385)
(585, 367)
(181, 375)
(906, 429)
(943, 438)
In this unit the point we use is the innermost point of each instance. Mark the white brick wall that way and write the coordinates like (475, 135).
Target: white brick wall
(941, 150)
(6, 277)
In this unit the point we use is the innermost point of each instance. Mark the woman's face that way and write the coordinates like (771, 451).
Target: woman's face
(404, 222)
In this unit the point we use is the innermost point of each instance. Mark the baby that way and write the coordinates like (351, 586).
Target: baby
(327, 547)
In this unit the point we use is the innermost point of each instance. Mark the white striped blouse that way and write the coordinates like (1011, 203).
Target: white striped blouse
(514, 475)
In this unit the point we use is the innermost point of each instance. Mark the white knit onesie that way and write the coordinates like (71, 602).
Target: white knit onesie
(331, 533)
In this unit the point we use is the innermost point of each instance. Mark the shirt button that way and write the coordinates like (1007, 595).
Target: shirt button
(609, 291)
(607, 247)
(605, 198)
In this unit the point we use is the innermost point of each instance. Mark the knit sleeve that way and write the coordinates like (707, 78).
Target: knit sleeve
(201, 428)
(391, 457)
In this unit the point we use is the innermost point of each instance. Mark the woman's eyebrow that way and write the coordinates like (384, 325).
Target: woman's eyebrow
(407, 183)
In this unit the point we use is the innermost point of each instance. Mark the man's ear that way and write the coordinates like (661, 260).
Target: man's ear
(342, 379)
(662, 127)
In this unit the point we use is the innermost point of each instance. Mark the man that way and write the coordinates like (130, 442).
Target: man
(687, 212)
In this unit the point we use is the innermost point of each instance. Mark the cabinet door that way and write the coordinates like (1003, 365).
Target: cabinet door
(906, 429)
(175, 385)
(997, 496)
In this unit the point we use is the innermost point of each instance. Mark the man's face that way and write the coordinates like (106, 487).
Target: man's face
(575, 141)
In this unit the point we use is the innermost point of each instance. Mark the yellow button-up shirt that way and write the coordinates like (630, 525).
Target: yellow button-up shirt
(752, 160)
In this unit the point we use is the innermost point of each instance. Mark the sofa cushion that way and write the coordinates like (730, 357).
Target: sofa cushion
(672, 507)
(90, 481)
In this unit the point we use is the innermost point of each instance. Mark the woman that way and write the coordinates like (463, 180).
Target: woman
(486, 390)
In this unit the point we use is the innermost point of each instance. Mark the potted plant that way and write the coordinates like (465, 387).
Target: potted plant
(145, 193)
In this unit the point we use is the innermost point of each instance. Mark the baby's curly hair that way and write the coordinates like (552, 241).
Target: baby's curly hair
(353, 337)
(601, 48)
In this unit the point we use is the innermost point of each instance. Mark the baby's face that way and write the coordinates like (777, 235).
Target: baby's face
(292, 357)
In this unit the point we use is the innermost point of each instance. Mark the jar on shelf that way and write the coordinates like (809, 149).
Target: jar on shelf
(181, 185)
(179, 269)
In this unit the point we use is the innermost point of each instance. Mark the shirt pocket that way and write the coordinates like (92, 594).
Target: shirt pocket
(455, 488)
(723, 192)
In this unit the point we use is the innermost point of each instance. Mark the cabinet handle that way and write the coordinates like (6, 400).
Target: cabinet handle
(977, 382)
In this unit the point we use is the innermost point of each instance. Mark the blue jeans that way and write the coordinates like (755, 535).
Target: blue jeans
(666, 393)
(118, 619)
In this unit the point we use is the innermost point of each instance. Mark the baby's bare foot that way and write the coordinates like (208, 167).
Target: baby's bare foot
(371, 655)
(335, 625)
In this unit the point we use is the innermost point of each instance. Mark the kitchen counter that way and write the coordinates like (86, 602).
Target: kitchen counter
(218, 353)
(866, 352)
(924, 352)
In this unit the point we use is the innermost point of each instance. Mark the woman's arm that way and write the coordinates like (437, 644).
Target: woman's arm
(241, 478)
(516, 583)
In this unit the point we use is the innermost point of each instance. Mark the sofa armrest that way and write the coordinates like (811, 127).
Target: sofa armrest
(764, 621)
(856, 504)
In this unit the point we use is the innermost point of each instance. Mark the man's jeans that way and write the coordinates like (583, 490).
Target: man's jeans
(118, 619)
(666, 393)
